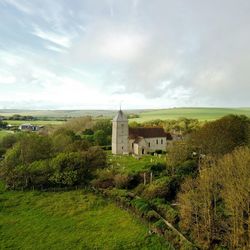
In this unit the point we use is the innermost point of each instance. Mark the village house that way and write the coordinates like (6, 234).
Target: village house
(29, 127)
(137, 141)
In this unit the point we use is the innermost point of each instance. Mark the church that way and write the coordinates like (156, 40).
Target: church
(137, 141)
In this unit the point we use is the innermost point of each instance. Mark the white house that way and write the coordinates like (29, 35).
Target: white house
(137, 141)
(29, 127)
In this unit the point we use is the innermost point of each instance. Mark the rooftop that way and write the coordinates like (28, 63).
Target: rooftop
(151, 132)
(120, 117)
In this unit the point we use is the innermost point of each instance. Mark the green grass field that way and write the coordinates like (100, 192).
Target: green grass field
(128, 164)
(41, 123)
(69, 220)
(145, 115)
(201, 114)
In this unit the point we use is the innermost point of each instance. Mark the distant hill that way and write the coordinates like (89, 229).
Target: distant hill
(201, 114)
(144, 115)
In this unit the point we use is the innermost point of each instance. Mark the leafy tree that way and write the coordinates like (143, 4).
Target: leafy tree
(3, 124)
(177, 153)
(214, 207)
(221, 136)
(79, 124)
(100, 138)
(105, 125)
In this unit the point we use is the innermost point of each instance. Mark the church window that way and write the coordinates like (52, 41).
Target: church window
(161, 141)
(156, 141)
(149, 144)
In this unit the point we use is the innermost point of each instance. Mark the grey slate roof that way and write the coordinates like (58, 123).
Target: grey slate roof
(120, 117)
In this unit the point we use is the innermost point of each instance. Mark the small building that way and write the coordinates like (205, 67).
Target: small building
(138, 141)
(29, 127)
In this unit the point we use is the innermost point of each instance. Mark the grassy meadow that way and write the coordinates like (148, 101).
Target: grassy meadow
(201, 114)
(69, 220)
(41, 123)
(128, 164)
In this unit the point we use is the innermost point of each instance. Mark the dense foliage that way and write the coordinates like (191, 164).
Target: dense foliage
(221, 136)
(33, 160)
(217, 202)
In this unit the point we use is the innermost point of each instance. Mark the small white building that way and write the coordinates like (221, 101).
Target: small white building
(137, 141)
(29, 127)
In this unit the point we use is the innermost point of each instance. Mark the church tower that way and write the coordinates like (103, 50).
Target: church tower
(120, 134)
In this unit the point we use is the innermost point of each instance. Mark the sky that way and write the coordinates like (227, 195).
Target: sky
(98, 54)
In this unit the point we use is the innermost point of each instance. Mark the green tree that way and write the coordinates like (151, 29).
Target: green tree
(100, 138)
(221, 136)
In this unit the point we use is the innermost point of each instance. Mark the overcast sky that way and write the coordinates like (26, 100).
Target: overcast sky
(94, 54)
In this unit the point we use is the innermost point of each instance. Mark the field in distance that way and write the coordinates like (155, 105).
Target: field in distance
(144, 115)
(201, 114)
(69, 220)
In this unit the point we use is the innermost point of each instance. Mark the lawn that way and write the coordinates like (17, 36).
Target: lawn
(69, 220)
(128, 163)
(201, 114)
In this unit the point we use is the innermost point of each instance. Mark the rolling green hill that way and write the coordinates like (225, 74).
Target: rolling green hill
(145, 115)
(201, 114)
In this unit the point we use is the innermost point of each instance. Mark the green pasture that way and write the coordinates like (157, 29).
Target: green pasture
(41, 123)
(145, 115)
(128, 163)
(62, 113)
(69, 220)
(201, 114)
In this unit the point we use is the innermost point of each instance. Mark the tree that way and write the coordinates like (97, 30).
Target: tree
(215, 207)
(221, 136)
(177, 153)
(100, 138)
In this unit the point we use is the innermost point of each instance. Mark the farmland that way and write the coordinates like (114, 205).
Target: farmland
(201, 114)
(41, 123)
(69, 220)
(53, 116)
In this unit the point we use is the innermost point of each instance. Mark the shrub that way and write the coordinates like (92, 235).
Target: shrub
(141, 205)
(152, 215)
(158, 188)
(121, 180)
(186, 168)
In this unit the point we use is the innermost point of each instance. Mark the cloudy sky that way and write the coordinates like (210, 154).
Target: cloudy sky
(95, 54)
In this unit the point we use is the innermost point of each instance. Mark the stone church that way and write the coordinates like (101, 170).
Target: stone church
(139, 140)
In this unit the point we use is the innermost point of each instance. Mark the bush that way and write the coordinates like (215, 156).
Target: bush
(141, 205)
(104, 179)
(158, 188)
(121, 180)
(152, 215)
(187, 168)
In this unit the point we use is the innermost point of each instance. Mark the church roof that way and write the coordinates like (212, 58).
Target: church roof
(151, 132)
(120, 117)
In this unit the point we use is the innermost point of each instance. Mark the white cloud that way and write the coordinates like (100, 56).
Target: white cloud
(55, 38)
(7, 79)
(55, 48)
(23, 7)
(167, 53)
